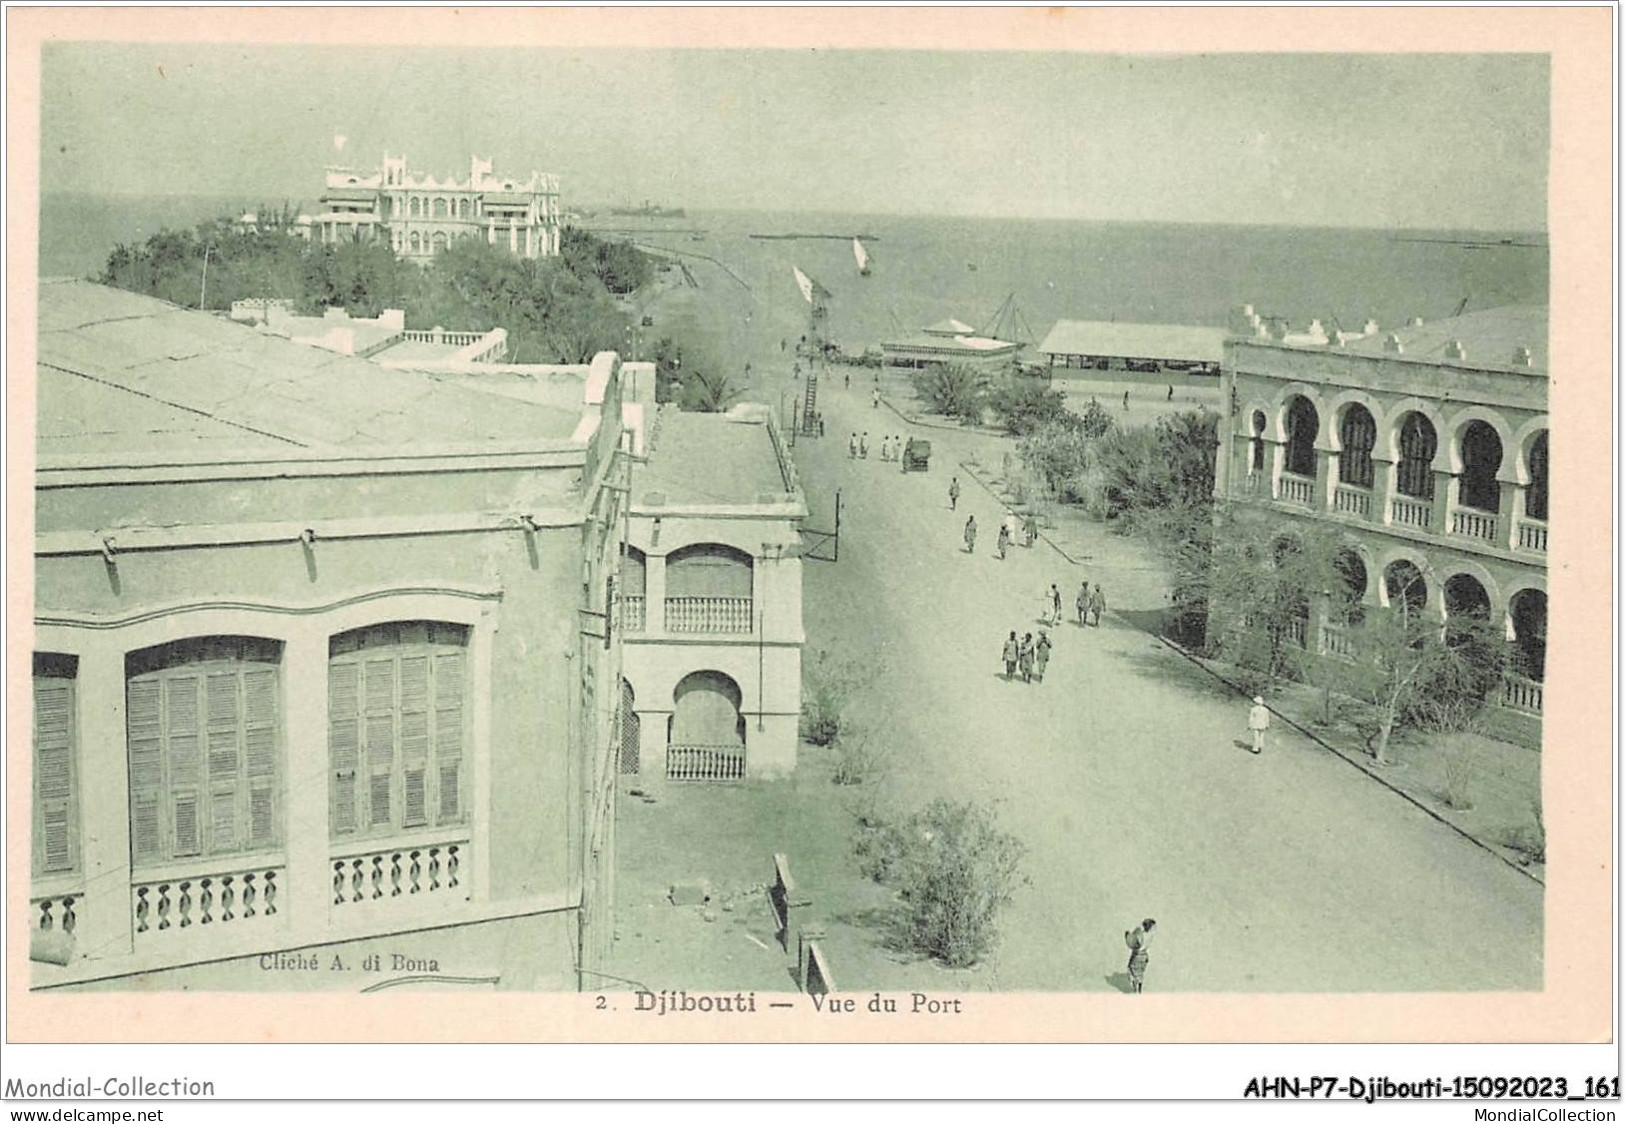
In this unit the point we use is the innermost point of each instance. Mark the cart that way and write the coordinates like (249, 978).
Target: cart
(917, 455)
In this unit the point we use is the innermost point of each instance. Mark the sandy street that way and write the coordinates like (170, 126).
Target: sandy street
(1122, 772)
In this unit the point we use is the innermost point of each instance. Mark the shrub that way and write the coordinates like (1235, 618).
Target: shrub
(956, 870)
(831, 684)
(1024, 405)
(1460, 770)
(954, 391)
(860, 754)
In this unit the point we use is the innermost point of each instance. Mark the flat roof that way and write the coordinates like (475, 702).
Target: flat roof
(1135, 341)
(708, 459)
(1490, 338)
(969, 345)
(120, 372)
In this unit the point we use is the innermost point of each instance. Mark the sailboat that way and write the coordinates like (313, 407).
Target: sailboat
(863, 257)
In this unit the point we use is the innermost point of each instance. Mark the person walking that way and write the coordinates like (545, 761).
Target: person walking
(849, 380)
(820, 425)
(1029, 530)
(970, 535)
(1170, 393)
(852, 446)
(863, 446)
(877, 398)
(1041, 654)
(1055, 604)
(885, 448)
(1024, 657)
(1012, 652)
(1004, 540)
(1083, 602)
(1125, 401)
(1097, 603)
(1258, 720)
(1139, 953)
(953, 494)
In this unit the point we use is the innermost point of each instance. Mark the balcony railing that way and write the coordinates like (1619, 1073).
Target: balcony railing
(1297, 489)
(1297, 631)
(1532, 535)
(1335, 640)
(222, 894)
(1409, 512)
(705, 762)
(49, 912)
(399, 876)
(634, 613)
(1250, 485)
(1522, 694)
(709, 614)
(1471, 524)
(1352, 500)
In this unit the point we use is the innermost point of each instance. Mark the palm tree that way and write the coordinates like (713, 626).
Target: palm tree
(711, 393)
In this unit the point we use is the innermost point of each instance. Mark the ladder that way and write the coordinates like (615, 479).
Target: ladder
(809, 410)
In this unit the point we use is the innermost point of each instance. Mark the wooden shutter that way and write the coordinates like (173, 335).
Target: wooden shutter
(225, 761)
(449, 686)
(380, 716)
(260, 712)
(144, 731)
(414, 673)
(56, 845)
(343, 743)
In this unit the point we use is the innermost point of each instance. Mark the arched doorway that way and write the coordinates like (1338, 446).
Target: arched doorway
(1359, 436)
(1467, 617)
(1526, 618)
(1480, 463)
(706, 737)
(1405, 587)
(1302, 426)
(1535, 498)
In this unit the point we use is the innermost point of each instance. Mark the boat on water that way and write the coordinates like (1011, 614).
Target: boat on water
(649, 211)
(862, 255)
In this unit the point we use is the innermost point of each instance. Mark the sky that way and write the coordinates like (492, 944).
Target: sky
(1384, 140)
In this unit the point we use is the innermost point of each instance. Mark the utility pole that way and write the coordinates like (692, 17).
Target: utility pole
(203, 292)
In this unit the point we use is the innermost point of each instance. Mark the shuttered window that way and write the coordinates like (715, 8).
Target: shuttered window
(56, 770)
(397, 719)
(204, 727)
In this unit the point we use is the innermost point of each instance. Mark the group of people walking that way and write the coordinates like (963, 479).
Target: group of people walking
(891, 447)
(1027, 657)
(1090, 603)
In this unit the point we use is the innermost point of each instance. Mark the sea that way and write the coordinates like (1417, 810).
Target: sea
(738, 299)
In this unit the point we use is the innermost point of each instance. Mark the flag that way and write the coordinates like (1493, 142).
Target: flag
(804, 283)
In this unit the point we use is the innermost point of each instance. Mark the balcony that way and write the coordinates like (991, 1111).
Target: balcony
(710, 614)
(1335, 641)
(1351, 500)
(1297, 489)
(705, 762)
(1407, 511)
(1518, 693)
(1532, 535)
(1470, 523)
(231, 896)
(401, 878)
(634, 613)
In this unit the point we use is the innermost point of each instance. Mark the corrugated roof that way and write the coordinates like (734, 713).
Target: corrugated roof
(1134, 341)
(1490, 338)
(121, 372)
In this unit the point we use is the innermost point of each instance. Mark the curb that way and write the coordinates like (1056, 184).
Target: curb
(988, 488)
(1355, 764)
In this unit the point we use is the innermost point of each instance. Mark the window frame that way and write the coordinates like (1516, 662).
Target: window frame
(50, 667)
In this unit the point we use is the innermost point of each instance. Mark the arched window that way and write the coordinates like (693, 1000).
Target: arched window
(416, 207)
(462, 208)
(1528, 613)
(1302, 426)
(1417, 445)
(1405, 586)
(1535, 496)
(705, 711)
(397, 712)
(1480, 463)
(203, 723)
(1259, 421)
(630, 730)
(1359, 435)
(634, 572)
(709, 589)
(56, 766)
(1346, 602)
(439, 241)
(439, 208)
(416, 245)
(1467, 609)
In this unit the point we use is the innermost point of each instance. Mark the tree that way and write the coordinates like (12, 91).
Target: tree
(1023, 405)
(709, 392)
(953, 390)
(1414, 670)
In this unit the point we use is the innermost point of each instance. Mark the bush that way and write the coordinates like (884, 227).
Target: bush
(860, 754)
(1460, 770)
(953, 391)
(831, 685)
(1024, 405)
(956, 870)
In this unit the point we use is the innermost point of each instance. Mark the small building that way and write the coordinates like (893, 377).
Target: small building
(324, 663)
(711, 596)
(1110, 346)
(1426, 447)
(949, 343)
